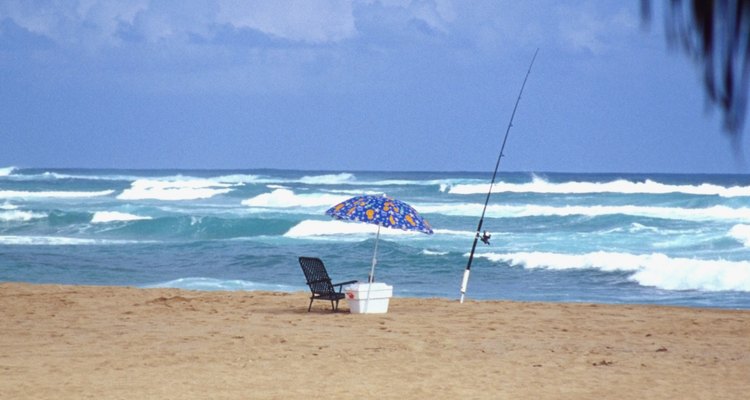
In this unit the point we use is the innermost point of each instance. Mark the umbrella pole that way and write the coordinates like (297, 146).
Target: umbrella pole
(371, 278)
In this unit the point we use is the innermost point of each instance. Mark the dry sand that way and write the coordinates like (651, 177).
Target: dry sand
(78, 342)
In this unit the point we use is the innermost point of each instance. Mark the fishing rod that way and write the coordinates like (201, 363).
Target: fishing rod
(485, 237)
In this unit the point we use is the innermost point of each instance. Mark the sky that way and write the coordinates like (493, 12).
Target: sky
(352, 85)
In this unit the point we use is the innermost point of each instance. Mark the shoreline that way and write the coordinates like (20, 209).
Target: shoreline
(304, 289)
(69, 342)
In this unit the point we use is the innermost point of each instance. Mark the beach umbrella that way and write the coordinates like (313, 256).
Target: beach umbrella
(382, 211)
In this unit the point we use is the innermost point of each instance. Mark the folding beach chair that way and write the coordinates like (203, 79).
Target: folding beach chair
(320, 283)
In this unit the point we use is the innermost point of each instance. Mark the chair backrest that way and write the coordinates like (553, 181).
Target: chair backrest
(316, 275)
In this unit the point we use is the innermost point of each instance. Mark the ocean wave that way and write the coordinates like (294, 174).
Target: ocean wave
(315, 228)
(656, 270)
(174, 190)
(453, 232)
(7, 171)
(620, 186)
(212, 284)
(51, 176)
(521, 211)
(434, 253)
(115, 216)
(20, 194)
(741, 233)
(19, 215)
(61, 241)
(285, 198)
(236, 178)
(346, 178)
(328, 179)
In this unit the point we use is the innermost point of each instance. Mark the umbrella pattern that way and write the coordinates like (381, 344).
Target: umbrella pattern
(381, 210)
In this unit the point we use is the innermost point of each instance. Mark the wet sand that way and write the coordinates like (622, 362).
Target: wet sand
(75, 342)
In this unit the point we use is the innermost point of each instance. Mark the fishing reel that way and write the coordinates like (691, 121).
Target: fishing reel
(485, 238)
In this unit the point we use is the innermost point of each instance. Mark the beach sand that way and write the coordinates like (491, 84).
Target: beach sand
(77, 342)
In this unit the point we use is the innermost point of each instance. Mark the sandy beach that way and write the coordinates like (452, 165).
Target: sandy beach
(75, 342)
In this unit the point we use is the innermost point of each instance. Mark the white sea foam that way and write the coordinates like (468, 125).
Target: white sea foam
(329, 179)
(452, 232)
(114, 216)
(236, 178)
(60, 241)
(346, 178)
(320, 229)
(539, 185)
(285, 198)
(211, 284)
(8, 206)
(741, 233)
(19, 194)
(7, 171)
(48, 176)
(315, 228)
(434, 253)
(173, 190)
(19, 215)
(519, 211)
(657, 270)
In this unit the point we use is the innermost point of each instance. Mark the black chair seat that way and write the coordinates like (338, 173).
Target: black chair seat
(320, 284)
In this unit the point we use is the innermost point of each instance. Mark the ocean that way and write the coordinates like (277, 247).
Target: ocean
(564, 237)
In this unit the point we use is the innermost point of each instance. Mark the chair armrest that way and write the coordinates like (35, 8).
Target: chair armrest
(341, 285)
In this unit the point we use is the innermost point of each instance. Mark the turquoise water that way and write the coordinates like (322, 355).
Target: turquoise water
(612, 238)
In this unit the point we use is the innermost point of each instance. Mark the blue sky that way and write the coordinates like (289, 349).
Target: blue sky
(350, 85)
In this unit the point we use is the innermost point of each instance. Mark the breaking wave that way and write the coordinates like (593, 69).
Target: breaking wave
(20, 194)
(19, 215)
(318, 229)
(519, 211)
(7, 171)
(741, 233)
(174, 190)
(656, 270)
(620, 186)
(285, 198)
(60, 241)
(330, 179)
(114, 216)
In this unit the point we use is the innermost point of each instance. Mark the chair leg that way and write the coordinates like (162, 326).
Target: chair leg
(310, 307)
(332, 306)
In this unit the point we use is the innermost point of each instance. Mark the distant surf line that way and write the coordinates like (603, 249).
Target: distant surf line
(619, 186)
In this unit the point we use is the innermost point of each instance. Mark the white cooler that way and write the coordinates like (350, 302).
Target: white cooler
(377, 303)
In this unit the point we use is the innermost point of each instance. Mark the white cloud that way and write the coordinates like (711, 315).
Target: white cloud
(98, 22)
(101, 23)
(86, 22)
(312, 21)
(583, 29)
(437, 14)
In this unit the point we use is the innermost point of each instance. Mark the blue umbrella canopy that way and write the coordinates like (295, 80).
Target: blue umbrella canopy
(381, 210)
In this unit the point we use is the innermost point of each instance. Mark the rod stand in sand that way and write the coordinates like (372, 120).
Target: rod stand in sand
(485, 238)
